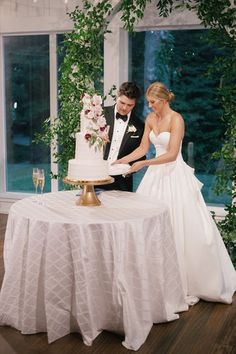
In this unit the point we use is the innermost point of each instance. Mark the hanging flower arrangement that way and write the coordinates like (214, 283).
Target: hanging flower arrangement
(93, 122)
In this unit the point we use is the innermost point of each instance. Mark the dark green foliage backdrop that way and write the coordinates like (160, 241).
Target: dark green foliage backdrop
(183, 65)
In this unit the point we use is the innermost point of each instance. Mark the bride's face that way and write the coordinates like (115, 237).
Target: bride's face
(156, 104)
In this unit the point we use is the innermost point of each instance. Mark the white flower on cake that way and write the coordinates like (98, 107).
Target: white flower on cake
(93, 122)
(131, 129)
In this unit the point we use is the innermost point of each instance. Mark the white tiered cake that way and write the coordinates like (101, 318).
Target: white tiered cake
(88, 164)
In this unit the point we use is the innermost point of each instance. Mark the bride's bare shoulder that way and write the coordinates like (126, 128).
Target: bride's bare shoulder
(177, 123)
(176, 118)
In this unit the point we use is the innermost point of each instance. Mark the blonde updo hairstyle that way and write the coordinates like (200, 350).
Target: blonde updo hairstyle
(159, 90)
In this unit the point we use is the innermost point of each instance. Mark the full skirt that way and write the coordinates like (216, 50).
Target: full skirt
(206, 269)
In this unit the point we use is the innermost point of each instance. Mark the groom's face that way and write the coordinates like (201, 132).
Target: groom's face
(124, 105)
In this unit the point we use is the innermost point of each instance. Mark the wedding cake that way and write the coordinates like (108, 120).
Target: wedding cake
(88, 164)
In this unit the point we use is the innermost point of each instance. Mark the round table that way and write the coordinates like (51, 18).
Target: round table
(87, 269)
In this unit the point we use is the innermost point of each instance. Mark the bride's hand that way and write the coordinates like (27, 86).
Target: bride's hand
(136, 166)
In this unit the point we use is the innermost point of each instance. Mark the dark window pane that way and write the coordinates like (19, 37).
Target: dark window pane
(27, 106)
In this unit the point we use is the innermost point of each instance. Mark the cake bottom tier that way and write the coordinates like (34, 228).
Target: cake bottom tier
(87, 170)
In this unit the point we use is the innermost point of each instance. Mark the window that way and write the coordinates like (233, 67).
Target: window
(180, 59)
(27, 102)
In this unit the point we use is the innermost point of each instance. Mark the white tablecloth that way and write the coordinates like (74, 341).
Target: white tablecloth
(75, 268)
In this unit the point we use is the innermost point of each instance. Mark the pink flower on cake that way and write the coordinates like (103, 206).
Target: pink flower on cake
(86, 101)
(101, 121)
(97, 100)
(93, 122)
(104, 134)
(91, 114)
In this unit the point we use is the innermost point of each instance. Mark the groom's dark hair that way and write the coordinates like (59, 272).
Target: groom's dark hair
(130, 90)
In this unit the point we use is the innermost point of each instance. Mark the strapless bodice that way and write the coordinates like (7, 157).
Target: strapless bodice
(162, 139)
(160, 142)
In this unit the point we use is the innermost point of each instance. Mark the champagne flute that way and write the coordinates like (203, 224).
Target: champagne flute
(41, 180)
(35, 176)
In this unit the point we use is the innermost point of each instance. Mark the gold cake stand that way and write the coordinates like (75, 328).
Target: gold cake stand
(88, 196)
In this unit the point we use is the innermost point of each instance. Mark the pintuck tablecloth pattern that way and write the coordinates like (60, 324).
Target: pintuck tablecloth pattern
(88, 269)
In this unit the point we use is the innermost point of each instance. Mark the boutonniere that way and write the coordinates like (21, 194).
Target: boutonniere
(131, 129)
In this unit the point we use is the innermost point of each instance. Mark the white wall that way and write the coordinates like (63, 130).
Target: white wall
(27, 16)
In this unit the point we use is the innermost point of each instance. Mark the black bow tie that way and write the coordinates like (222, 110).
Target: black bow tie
(119, 116)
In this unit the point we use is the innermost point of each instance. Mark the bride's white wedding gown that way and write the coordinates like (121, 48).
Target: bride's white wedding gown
(206, 269)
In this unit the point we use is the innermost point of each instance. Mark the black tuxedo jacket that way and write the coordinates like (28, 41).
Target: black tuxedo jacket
(130, 141)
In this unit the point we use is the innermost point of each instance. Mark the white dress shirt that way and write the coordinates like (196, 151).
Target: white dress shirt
(118, 133)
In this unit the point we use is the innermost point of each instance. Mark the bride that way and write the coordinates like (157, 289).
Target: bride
(205, 266)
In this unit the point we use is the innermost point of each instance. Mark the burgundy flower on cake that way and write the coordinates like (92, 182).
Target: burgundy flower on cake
(87, 136)
(93, 122)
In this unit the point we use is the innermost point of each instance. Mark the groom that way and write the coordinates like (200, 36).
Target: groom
(125, 132)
